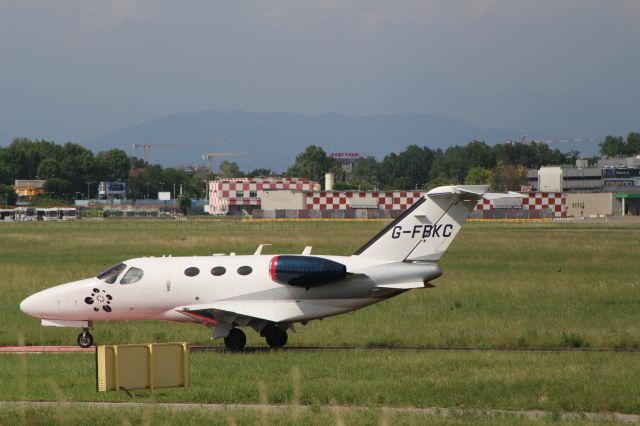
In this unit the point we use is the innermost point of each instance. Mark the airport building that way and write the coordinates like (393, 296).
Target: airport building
(244, 195)
(28, 189)
(617, 181)
(273, 198)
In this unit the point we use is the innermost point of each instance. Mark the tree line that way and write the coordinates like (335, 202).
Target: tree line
(502, 166)
(616, 146)
(71, 171)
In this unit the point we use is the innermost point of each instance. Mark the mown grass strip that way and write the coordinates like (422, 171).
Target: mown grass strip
(572, 382)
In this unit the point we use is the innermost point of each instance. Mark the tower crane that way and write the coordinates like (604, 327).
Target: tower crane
(145, 147)
(211, 155)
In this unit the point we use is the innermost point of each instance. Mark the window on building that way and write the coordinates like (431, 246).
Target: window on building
(239, 194)
(253, 194)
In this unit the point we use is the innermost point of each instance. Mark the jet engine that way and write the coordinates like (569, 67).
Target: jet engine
(305, 271)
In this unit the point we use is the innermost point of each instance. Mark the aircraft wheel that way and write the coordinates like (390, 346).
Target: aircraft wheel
(276, 337)
(85, 339)
(235, 340)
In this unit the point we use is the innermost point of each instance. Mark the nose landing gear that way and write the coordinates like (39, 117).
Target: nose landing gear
(85, 339)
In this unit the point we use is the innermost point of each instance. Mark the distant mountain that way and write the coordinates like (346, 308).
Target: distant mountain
(274, 139)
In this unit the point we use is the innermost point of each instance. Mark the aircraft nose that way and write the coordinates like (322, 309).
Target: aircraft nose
(35, 305)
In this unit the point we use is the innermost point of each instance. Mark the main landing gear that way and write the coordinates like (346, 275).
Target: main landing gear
(85, 339)
(235, 340)
(275, 336)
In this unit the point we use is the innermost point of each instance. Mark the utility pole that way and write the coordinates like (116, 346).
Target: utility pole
(88, 187)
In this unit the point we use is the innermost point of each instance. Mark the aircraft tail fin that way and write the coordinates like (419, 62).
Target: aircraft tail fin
(425, 230)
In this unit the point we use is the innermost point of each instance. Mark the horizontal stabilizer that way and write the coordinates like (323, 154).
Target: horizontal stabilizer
(476, 191)
(500, 195)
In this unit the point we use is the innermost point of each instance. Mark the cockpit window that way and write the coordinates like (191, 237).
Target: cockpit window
(110, 275)
(133, 275)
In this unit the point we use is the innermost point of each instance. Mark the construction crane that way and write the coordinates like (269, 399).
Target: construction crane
(211, 155)
(145, 147)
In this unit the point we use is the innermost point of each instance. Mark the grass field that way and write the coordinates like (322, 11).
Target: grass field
(573, 381)
(504, 285)
(516, 286)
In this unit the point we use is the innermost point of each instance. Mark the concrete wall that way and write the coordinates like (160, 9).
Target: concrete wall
(589, 204)
(283, 200)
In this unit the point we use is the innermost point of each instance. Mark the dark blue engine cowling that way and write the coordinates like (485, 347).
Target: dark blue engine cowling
(305, 271)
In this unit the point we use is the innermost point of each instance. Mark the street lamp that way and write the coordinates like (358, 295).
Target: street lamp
(147, 184)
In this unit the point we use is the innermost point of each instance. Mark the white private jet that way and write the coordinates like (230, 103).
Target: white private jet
(268, 293)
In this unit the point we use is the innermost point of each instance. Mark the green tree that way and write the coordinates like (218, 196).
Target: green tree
(185, 205)
(415, 163)
(612, 146)
(440, 180)
(230, 169)
(261, 172)
(478, 176)
(112, 165)
(77, 166)
(364, 174)
(312, 164)
(49, 168)
(8, 196)
(24, 156)
(508, 177)
(633, 144)
(59, 188)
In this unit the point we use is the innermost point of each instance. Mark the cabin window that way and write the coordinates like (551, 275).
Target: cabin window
(111, 275)
(218, 270)
(192, 271)
(245, 270)
(133, 275)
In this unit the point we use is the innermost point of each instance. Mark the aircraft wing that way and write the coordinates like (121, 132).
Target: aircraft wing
(245, 311)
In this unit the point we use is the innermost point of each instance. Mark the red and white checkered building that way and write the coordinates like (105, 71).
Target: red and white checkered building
(342, 200)
(554, 201)
(246, 193)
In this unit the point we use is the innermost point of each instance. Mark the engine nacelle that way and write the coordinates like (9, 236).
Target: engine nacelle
(305, 271)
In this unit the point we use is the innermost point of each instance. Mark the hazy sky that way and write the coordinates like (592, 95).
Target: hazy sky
(76, 69)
